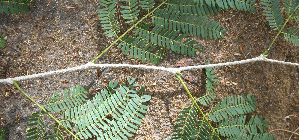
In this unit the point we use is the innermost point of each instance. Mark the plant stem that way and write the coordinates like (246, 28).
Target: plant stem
(194, 101)
(119, 38)
(43, 109)
(280, 30)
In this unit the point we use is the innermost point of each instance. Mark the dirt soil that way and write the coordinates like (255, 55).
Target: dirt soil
(59, 34)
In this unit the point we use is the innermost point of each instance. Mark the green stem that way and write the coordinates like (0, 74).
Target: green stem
(119, 38)
(194, 101)
(43, 109)
(266, 52)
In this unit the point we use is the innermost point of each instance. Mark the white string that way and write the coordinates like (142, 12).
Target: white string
(171, 70)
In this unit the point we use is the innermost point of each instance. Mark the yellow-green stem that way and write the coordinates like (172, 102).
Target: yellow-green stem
(194, 101)
(280, 30)
(43, 109)
(119, 38)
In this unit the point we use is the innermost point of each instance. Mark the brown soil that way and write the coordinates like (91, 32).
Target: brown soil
(62, 34)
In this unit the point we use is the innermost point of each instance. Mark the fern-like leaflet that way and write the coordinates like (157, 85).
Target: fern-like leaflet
(131, 11)
(114, 113)
(107, 17)
(273, 13)
(2, 42)
(37, 128)
(147, 4)
(290, 8)
(210, 90)
(264, 136)
(233, 106)
(246, 5)
(236, 126)
(188, 23)
(191, 7)
(141, 49)
(117, 114)
(190, 127)
(170, 31)
(72, 98)
(172, 25)
(168, 39)
(292, 35)
(274, 16)
(14, 7)
(56, 104)
(229, 113)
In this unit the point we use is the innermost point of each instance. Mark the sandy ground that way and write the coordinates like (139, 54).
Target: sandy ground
(62, 34)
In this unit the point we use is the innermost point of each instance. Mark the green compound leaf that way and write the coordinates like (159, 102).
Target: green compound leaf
(186, 23)
(37, 128)
(264, 136)
(168, 39)
(237, 128)
(2, 42)
(233, 106)
(14, 7)
(273, 13)
(292, 35)
(139, 49)
(111, 114)
(190, 127)
(246, 5)
(289, 8)
(232, 126)
(114, 113)
(74, 97)
(147, 4)
(130, 12)
(190, 7)
(107, 18)
(210, 90)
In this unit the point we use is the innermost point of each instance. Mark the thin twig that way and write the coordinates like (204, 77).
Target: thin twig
(91, 65)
